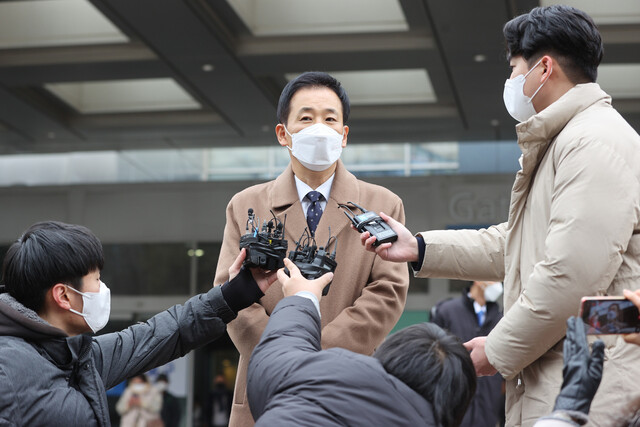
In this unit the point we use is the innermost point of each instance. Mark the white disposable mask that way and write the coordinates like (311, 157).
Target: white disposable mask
(316, 147)
(518, 104)
(96, 307)
(493, 292)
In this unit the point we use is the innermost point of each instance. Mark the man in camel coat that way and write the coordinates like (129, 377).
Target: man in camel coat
(367, 294)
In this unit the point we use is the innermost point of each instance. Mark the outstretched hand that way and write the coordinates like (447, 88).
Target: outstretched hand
(263, 278)
(582, 371)
(405, 249)
(295, 282)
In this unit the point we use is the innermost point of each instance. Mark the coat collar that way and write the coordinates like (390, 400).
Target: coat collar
(19, 321)
(536, 134)
(285, 194)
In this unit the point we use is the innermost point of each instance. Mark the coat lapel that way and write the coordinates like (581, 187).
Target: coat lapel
(344, 189)
(284, 201)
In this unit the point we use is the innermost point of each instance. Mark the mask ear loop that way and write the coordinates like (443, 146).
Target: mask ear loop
(540, 87)
(84, 294)
(80, 293)
(288, 133)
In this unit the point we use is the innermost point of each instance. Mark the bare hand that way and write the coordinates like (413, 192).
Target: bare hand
(479, 357)
(634, 297)
(405, 249)
(295, 282)
(263, 278)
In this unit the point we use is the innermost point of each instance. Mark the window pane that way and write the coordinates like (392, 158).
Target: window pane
(147, 269)
(207, 263)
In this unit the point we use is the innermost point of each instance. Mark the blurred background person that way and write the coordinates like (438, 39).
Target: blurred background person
(140, 404)
(220, 400)
(170, 412)
(471, 315)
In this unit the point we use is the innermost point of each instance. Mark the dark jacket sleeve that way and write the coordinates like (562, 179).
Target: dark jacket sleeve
(292, 331)
(164, 337)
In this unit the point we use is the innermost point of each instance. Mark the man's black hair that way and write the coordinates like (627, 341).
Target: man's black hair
(435, 365)
(311, 79)
(46, 254)
(565, 32)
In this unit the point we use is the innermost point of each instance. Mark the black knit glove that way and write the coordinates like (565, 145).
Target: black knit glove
(241, 291)
(581, 372)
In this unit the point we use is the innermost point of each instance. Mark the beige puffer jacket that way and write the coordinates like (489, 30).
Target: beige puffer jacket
(573, 230)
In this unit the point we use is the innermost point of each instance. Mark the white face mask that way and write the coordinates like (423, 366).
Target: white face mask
(518, 104)
(96, 307)
(317, 147)
(162, 386)
(493, 292)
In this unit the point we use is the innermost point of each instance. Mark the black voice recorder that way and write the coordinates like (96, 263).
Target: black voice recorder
(266, 247)
(371, 222)
(314, 261)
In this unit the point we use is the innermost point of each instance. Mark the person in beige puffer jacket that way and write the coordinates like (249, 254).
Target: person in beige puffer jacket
(574, 219)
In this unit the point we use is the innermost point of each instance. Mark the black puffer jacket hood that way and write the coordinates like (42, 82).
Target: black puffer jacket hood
(19, 321)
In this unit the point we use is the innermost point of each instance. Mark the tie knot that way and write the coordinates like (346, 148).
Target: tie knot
(314, 196)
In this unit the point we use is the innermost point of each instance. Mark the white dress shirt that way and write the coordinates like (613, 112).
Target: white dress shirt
(480, 309)
(303, 189)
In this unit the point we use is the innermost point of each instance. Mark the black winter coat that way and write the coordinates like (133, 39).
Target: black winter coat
(50, 379)
(291, 382)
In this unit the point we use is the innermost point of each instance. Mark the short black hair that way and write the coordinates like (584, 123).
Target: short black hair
(563, 31)
(47, 253)
(162, 377)
(436, 365)
(311, 79)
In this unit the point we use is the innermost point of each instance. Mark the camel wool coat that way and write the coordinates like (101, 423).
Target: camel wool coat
(573, 230)
(367, 295)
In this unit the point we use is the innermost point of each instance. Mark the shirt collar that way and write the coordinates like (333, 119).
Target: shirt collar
(324, 188)
(478, 308)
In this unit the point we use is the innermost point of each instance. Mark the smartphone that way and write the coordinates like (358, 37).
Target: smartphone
(609, 315)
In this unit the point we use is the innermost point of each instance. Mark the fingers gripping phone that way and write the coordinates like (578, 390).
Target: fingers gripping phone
(609, 315)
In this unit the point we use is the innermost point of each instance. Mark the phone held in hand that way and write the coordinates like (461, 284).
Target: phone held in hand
(609, 315)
